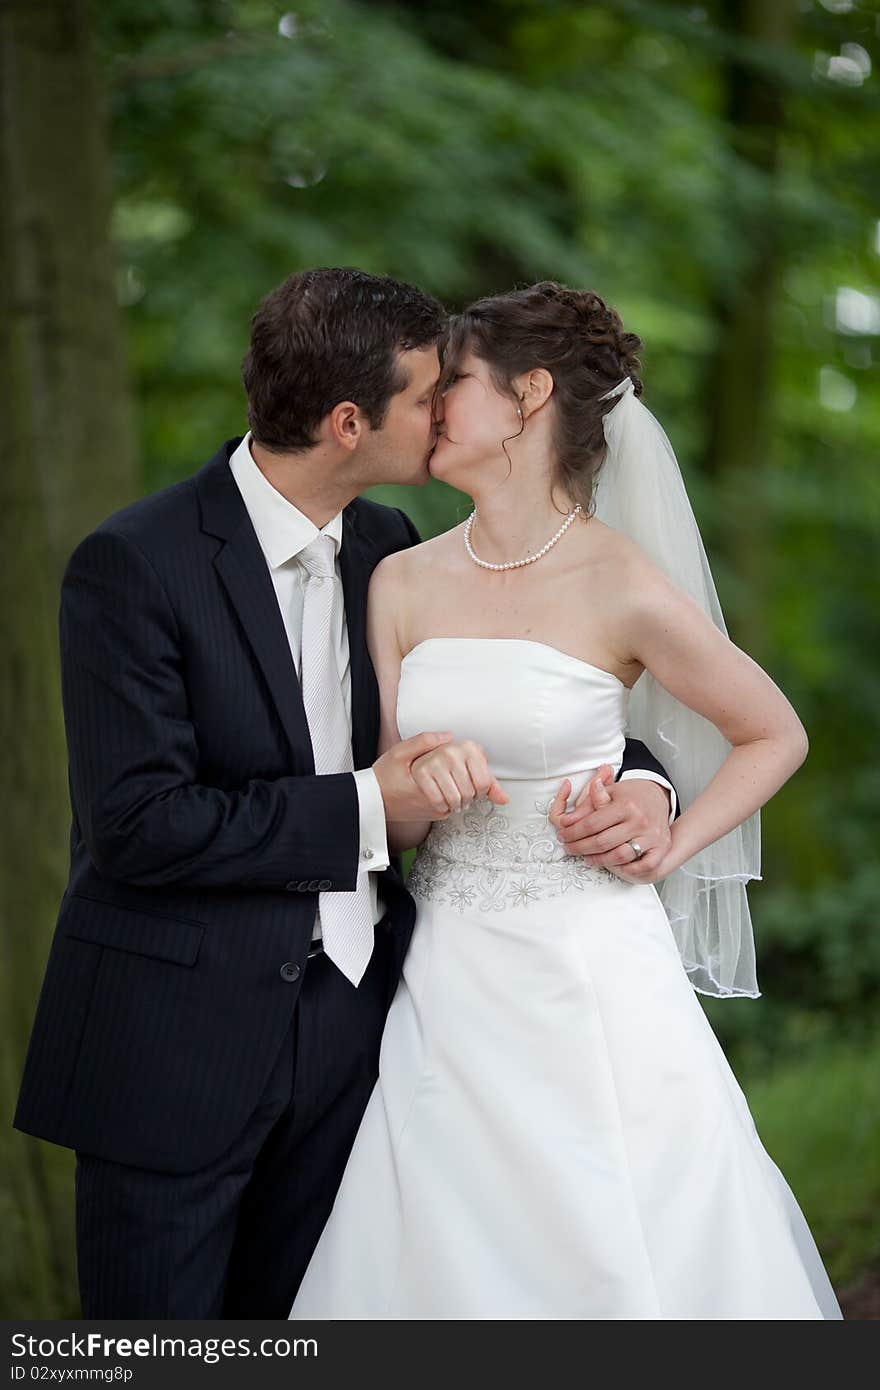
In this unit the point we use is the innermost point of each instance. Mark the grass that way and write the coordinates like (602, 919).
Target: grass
(820, 1120)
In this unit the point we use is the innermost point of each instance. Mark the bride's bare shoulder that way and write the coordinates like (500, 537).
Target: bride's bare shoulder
(415, 559)
(407, 569)
(612, 553)
(620, 569)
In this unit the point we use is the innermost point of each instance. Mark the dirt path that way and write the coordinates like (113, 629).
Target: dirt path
(861, 1301)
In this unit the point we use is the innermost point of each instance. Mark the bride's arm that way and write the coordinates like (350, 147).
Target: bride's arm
(383, 599)
(695, 662)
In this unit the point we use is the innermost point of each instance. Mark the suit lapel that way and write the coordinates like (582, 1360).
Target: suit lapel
(242, 568)
(355, 565)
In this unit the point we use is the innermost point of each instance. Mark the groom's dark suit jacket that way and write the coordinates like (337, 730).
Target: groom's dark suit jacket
(201, 835)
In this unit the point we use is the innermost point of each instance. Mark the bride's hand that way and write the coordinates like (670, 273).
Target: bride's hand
(604, 823)
(454, 775)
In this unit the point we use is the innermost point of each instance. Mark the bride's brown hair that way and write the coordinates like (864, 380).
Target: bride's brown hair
(582, 343)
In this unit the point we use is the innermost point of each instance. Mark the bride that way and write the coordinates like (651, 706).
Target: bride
(555, 1132)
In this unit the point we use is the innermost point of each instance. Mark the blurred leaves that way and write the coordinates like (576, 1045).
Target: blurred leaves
(475, 147)
(471, 148)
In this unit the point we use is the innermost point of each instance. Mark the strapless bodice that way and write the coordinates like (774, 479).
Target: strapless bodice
(538, 712)
(540, 715)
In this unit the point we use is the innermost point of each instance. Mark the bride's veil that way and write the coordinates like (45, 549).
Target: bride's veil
(640, 492)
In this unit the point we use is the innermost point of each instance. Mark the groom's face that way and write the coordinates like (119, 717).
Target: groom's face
(399, 452)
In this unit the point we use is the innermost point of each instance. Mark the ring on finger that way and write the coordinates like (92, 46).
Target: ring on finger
(636, 849)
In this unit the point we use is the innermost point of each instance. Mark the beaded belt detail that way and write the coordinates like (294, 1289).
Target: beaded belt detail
(479, 859)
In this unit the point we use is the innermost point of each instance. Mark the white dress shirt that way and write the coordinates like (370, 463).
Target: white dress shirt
(636, 772)
(283, 531)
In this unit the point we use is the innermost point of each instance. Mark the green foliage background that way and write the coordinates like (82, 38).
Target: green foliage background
(470, 148)
(474, 147)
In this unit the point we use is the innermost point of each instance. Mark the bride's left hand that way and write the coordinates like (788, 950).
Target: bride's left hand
(607, 816)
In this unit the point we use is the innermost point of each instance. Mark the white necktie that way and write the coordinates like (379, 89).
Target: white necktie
(346, 918)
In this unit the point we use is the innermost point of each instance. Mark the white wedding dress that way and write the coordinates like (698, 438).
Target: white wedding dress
(555, 1132)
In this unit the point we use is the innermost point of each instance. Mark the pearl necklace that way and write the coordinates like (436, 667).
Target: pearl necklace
(515, 564)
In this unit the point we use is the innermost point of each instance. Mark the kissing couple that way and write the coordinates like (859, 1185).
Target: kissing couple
(297, 1085)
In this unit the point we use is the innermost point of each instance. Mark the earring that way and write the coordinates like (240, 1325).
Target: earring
(519, 410)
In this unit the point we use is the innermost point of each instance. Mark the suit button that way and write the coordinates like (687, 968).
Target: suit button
(325, 883)
(292, 886)
(290, 971)
(313, 885)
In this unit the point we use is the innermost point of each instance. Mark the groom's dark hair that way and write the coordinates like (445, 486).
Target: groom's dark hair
(331, 335)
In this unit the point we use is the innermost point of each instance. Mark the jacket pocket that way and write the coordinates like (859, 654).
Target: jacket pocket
(128, 929)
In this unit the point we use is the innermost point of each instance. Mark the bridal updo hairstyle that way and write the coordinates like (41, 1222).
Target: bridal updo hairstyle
(328, 335)
(579, 339)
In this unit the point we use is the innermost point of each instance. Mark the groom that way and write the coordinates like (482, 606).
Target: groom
(208, 1030)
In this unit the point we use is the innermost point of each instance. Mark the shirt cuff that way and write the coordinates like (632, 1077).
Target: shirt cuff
(645, 776)
(373, 847)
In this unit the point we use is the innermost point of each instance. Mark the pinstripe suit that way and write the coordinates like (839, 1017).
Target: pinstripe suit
(210, 1078)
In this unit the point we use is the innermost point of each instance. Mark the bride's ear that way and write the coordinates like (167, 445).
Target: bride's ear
(533, 390)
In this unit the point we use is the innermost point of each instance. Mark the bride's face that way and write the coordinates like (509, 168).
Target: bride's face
(473, 418)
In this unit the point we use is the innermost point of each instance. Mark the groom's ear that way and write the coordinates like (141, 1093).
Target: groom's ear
(344, 425)
(534, 389)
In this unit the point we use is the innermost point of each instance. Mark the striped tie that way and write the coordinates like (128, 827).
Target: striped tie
(346, 918)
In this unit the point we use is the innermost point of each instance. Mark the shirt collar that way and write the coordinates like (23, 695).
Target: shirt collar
(282, 529)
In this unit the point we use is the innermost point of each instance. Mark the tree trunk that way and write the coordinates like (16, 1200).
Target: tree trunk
(68, 459)
(740, 371)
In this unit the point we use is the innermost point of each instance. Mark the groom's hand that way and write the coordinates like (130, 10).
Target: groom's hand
(404, 798)
(607, 816)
